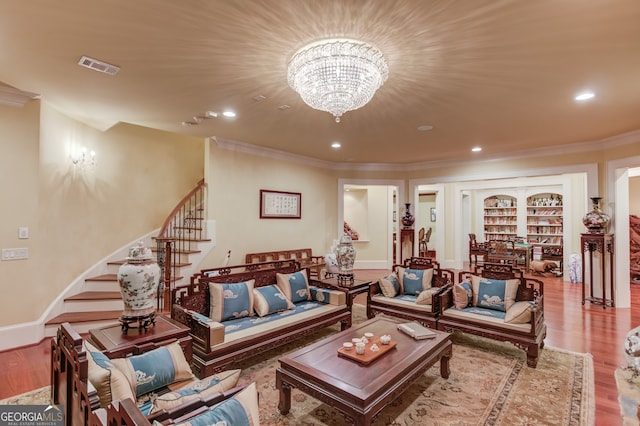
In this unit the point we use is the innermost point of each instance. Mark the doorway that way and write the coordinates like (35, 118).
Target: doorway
(370, 208)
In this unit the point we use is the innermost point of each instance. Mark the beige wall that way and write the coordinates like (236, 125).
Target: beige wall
(234, 182)
(19, 130)
(76, 218)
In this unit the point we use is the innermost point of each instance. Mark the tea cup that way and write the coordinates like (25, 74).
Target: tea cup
(347, 346)
(360, 348)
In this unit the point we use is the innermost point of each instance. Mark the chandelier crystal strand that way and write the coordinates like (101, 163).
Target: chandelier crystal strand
(337, 75)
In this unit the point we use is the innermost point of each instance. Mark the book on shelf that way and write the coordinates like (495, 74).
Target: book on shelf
(417, 331)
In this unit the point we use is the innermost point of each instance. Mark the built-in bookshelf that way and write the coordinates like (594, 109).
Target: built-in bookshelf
(500, 217)
(544, 219)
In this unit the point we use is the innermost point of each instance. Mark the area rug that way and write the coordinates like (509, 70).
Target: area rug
(490, 384)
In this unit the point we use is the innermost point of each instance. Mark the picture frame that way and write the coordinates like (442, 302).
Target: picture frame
(433, 214)
(280, 204)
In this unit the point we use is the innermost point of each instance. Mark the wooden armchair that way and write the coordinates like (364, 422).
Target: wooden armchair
(426, 313)
(502, 252)
(528, 335)
(476, 249)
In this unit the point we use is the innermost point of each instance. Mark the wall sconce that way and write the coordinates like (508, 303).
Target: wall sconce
(83, 159)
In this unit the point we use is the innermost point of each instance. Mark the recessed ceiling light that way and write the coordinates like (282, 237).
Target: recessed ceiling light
(188, 123)
(425, 128)
(336, 145)
(476, 149)
(211, 114)
(229, 114)
(283, 107)
(259, 98)
(584, 96)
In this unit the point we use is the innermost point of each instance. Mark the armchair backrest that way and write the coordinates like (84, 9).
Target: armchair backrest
(475, 246)
(441, 277)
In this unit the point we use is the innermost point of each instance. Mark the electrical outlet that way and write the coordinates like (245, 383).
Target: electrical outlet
(15, 253)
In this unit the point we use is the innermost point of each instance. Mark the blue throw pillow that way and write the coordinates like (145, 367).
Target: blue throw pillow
(269, 299)
(240, 410)
(493, 294)
(155, 369)
(415, 281)
(295, 286)
(228, 301)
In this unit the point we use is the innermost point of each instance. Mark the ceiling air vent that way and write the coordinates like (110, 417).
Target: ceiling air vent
(97, 65)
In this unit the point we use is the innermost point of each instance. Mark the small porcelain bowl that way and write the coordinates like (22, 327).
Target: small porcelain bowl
(347, 346)
(385, 339)
(356, 340)
(368, 335)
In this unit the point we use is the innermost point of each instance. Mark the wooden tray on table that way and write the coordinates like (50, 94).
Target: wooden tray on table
(368, 356)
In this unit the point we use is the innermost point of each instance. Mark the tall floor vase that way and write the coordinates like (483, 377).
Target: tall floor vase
(346, 256)
(138, 278)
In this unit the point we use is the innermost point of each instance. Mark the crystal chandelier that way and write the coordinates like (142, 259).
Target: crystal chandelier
(337, 75)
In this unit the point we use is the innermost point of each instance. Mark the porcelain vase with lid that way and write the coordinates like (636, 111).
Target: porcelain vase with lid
(346, 257)
(596, 220)
(138, 278)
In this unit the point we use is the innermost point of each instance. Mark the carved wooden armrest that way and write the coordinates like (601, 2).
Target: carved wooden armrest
(445, 298)
(204, 331)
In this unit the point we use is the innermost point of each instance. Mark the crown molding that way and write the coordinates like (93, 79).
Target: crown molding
(564, 149)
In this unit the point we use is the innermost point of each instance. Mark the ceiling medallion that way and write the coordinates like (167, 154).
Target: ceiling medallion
(337, 75)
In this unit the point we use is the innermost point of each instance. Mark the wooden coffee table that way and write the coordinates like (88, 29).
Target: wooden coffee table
(357, 390)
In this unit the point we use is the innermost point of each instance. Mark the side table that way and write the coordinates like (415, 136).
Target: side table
(352, 289)
(114, 343)
(602, 244)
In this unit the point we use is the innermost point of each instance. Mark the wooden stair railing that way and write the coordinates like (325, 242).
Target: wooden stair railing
(179, 235)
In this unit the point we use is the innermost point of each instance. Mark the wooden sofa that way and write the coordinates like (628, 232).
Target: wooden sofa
(528, 335)
(213, 350)
(406, 306)
(304, 256)
(71, 387)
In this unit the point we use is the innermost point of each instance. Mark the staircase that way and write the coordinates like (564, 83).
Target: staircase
(99, 302)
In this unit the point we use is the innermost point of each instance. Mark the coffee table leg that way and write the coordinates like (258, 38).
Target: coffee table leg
(284, 404)
(444, 365)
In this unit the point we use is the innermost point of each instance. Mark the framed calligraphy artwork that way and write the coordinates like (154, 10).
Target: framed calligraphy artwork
(280, 205)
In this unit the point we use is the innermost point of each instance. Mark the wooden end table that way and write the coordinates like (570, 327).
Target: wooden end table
(115, 343)
(352, 289)
(360, 391)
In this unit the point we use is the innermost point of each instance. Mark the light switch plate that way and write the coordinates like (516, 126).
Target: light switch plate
(23, 232)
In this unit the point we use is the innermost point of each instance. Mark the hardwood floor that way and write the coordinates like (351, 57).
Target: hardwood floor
(571, 326)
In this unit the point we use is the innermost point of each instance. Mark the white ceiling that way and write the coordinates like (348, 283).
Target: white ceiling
(500, 74)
